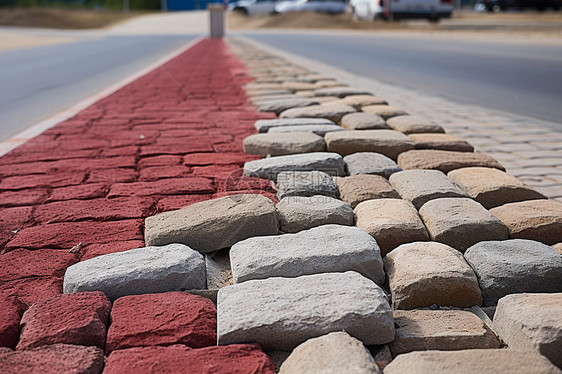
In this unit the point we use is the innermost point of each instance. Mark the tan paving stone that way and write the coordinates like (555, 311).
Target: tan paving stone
(387, 142)
(421, 274)
(492, 187)
(391, 222)
(443, 330)
(444, 142)
(358, 188)
(445, 160)
(539, 220)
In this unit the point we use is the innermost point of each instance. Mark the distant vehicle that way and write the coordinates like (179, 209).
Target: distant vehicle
(501, 5)
(321, 6)
(401, 9)
(253, 7)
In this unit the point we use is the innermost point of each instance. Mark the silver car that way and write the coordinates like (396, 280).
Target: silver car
(322, 6)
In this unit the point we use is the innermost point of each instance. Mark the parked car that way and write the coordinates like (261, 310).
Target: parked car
(501, 5)
(321, 6)
(253, 7)
(401, 9)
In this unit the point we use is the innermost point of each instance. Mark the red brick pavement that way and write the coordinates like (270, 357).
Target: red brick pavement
(167, 140)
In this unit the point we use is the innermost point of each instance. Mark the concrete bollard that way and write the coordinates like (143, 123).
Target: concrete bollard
(216, 17)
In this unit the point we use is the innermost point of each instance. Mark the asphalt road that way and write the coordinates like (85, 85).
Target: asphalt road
(519, 78)
(36, 83)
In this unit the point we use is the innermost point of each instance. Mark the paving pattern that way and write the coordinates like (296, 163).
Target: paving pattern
(319, 248)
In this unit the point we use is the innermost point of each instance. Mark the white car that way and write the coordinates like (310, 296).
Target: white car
(401, 9)
(322, 6)
(253, 7)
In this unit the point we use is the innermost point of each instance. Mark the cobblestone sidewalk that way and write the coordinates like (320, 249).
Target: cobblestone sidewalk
(529, 148)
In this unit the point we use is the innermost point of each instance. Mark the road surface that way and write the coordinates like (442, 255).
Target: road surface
(515, 77)
(36, 83)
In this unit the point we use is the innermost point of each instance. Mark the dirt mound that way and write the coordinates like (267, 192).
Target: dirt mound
(59, 18)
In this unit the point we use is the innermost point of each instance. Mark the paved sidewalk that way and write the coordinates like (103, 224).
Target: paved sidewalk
(171, 138)
(530, 149)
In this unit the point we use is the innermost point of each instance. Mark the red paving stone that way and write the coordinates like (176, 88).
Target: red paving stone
(235, 359)
(162, 319)
(157, 144)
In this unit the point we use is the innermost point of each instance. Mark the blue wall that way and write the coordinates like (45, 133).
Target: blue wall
(190, 4)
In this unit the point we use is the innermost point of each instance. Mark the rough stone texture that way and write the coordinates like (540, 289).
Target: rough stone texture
(268, 168)
(214, 224)
(280, 105)
(558, 248)
(443, 330)
(358, 188)
(297, 213)
(421, 186)
(359, 101)
(305, 183)
(337, 352)
(515, 266)
(283, 144)
(414, 124)
(461, 222)
(173, 267)
(281, 313)
(370, 163)
(391, 222)
(388, 142)
(264, 125)
(531, 322)
(324, 249)
(442, 142)
(385, 111)
(332, 112)
(219, 272)
(426, 273)
(539, 220)
(315, 129)
(236, 358)
(470, 361)
(445, 160)
(79, 318)
(53, 359)
(340, 91)
(11, 310)
(493, 187)
(162, 319)
(363, 121)
(24, 263)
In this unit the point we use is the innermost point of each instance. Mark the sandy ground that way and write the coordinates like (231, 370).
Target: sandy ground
(12, 40)
(545, 27)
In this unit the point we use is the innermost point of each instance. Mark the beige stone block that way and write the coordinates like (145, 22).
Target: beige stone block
(358, 188)
(387, 142)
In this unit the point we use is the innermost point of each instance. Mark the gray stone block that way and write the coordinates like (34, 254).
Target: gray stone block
(283, 144)
(531, 322)
(370, 163)
(297, 213)
(420, 186)
(515, 266)
(328, 111)
(340, 91)
(279, 105)
(324, 249)
(305, 183)
(315, 129)
(214, 224)
(268, 168)
(281, 313)
(174, 267)
(264, 125)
